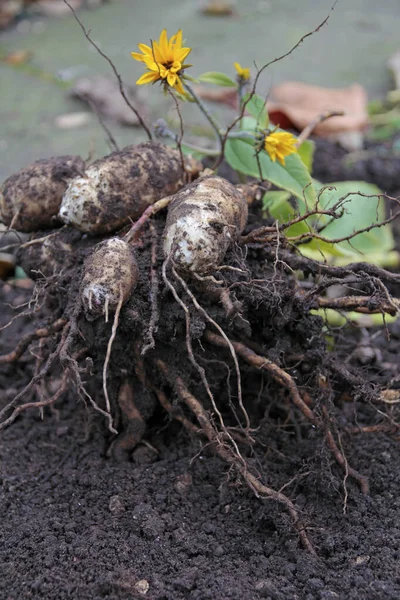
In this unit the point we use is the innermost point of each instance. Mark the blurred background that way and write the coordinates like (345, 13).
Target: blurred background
(44, 57)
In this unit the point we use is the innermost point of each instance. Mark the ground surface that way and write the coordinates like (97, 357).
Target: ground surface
(353, 47)
(76, 525)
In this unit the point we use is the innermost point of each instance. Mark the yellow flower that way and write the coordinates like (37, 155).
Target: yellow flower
(164, 61)
(243, 72)
(280, 144)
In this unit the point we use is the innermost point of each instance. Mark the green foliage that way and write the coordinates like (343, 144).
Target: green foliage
(357, 213)
(306, 153)
(293, 176)
(255, 106)
(217, 79)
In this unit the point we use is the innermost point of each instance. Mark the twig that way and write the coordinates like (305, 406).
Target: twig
(259, 73)
(180, 137)
(112, 142)
(307, 131)
(207, 114)
(116, 73)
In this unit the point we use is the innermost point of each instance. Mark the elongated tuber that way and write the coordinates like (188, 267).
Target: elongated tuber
(204, 218)
(119, 187)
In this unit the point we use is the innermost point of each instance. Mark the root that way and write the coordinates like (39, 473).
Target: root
(204, 313)
(154, 287)
(69, 362)
(38, 377)
(284, 379)
(46, 402)
(149, 212)
(108, 355)
(226, 453)
(135, 425)
(34, 335)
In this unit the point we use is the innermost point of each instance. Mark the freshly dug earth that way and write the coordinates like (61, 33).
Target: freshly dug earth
(173, 521)
(78, 525)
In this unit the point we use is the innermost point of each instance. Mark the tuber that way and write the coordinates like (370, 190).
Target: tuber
(110, 274)
(50, 255)
(204, 218)
(119, 187)
(31, 198)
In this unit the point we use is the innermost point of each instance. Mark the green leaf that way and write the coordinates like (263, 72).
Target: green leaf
(277, 205)
(248, 124)
(217, 79)
(256, 107)
(359, 213)
(293, 176)
(306, 153)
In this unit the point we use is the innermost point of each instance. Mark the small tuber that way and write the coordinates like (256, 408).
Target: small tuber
(110, 274)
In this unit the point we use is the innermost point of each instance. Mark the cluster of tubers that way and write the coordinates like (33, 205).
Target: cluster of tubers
(204, 217)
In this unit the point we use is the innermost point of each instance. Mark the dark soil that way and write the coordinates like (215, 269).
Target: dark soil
(173, 518)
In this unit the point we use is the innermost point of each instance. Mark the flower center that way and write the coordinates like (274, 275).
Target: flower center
(173, 67)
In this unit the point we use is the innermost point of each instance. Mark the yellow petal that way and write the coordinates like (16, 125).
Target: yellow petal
(177, 39)
(182, 54)
(147, 78)
(151, 65)
(145, 49)
(171, 78)
(179, 87)
(137, 56)
(163, 44)
(156, 53)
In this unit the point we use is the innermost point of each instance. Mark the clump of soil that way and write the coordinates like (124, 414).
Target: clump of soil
(162, 510)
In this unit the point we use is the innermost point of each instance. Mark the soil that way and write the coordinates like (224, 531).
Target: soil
(173, 522)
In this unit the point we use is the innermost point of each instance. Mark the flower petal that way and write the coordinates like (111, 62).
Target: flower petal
(179, 87)
(145, 49)
(182, 53)
(163, 44)
(171, 79)
(177, 39)
(156, 53)
(137, 56)
(147, 78)
(151, 65)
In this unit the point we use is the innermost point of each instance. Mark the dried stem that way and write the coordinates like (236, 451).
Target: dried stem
(116, 73)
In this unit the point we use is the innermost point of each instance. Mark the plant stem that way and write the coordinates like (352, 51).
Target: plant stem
(241, 135)
(162, 130)
(206, 113)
